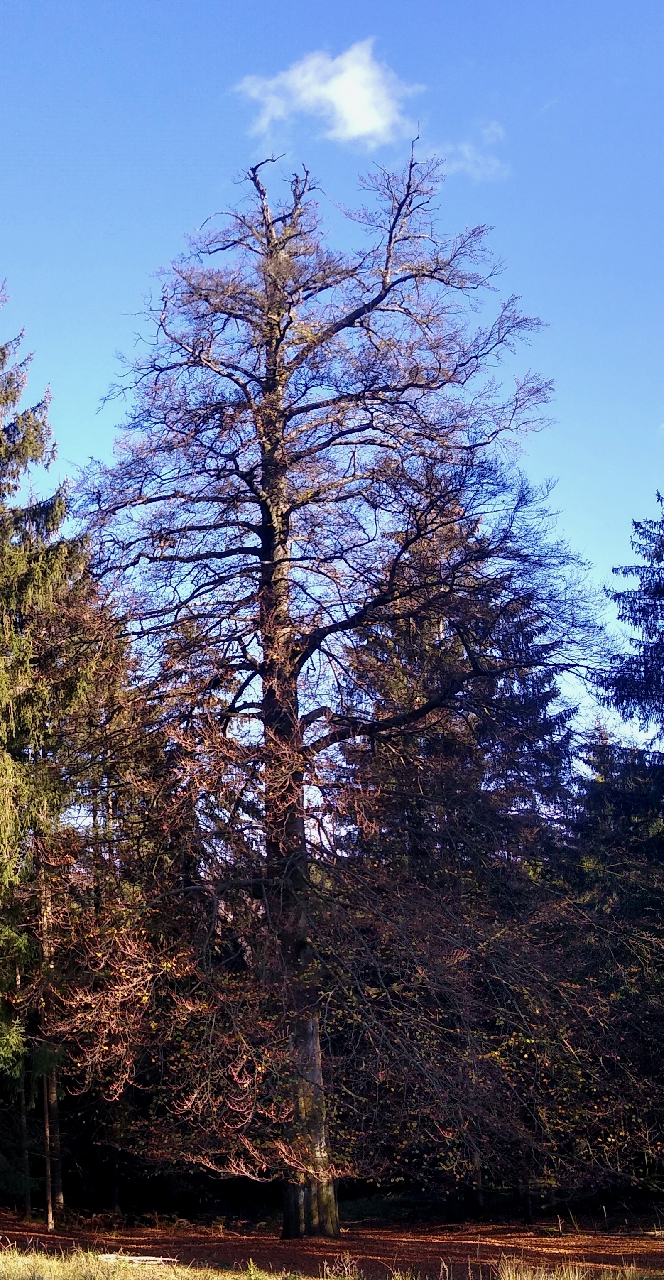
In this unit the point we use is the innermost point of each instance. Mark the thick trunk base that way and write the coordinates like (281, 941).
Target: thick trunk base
(310, 1209)
(310, 1200)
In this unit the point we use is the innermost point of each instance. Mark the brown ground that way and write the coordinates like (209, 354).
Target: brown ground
(466, 1250)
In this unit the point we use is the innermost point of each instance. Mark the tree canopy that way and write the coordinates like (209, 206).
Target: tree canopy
(307, 872)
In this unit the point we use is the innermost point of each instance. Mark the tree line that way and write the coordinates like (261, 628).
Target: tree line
(306, 871)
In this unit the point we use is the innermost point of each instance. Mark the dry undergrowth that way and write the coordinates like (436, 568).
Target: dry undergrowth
(344, 1267)
(514, 1269)
(83, 1265)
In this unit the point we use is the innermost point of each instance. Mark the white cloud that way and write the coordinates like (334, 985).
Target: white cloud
(358, 97)
(477, 162)
(466, 158)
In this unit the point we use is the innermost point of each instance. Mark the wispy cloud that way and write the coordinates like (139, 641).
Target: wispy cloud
(493, 133)
(358, 97)
(477, 162)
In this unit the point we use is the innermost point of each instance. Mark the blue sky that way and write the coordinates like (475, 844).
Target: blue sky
(123, 127)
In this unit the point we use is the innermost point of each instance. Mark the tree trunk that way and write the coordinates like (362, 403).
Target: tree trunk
(96, 859)
(310, 1209)
(477, 1181)
(310, 1202)
(50, 1224)
(25, 1153)
(310, 1206)
(47, 957)
(114, 1196)
(54, 1126)
(309, 1199)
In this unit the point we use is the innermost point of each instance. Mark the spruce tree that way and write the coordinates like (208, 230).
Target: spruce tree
(634, 683)
(38, 569)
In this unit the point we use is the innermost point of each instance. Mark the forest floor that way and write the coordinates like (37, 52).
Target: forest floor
(472, 1251)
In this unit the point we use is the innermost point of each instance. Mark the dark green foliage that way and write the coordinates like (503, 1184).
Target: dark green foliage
(37, 565)
(611, 869)
(39, 569)
(635, 681)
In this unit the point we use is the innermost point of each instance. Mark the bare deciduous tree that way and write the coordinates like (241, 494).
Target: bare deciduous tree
(307, 424)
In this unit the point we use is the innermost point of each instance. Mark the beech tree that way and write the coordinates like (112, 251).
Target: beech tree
(307, 425)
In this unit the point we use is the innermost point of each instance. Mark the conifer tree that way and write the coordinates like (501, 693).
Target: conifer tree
(634, 683)
(38, 567)
(455, 811)
(609, 864)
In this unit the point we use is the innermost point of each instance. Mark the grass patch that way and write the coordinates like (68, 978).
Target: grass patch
(344, 1267)
(515, 1269)
(83, 1265)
